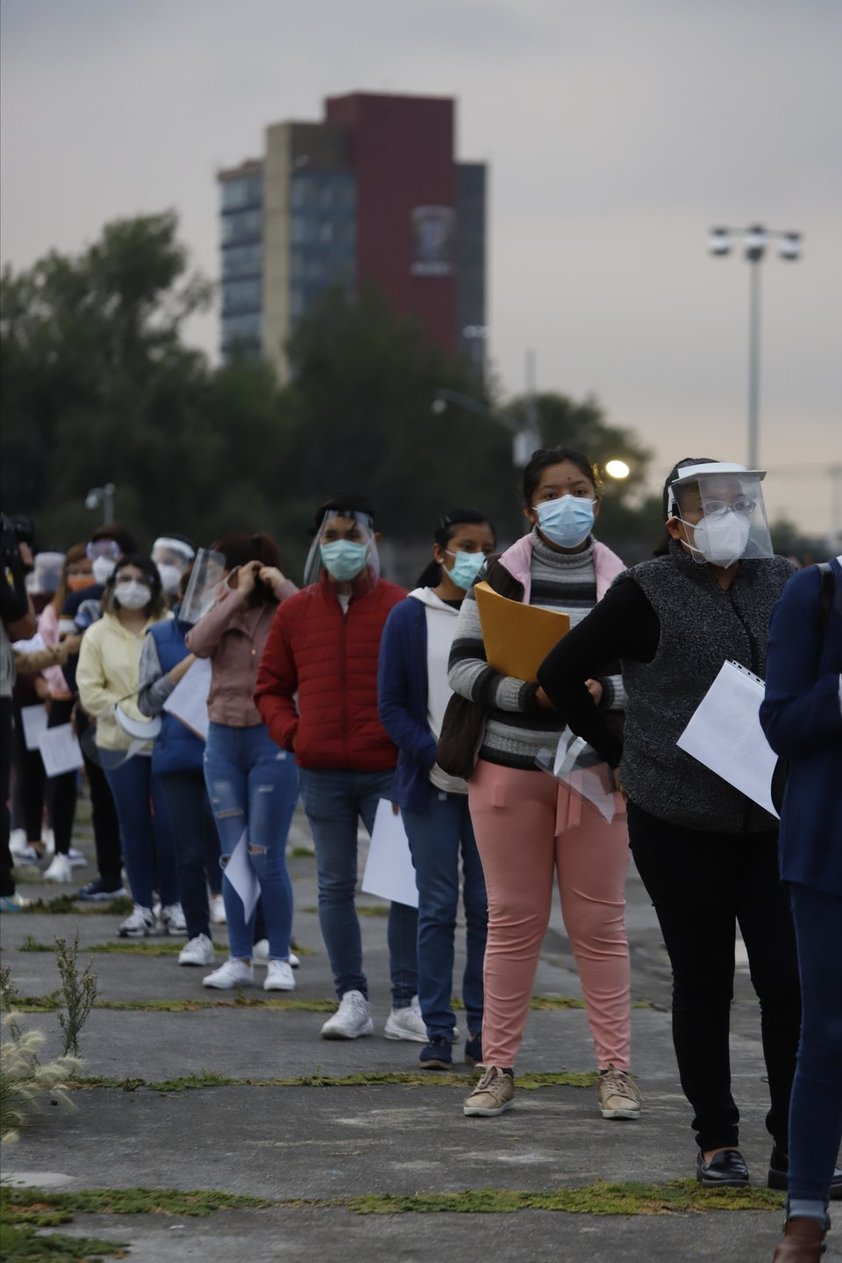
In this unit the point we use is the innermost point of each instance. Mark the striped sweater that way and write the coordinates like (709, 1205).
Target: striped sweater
(517, 729)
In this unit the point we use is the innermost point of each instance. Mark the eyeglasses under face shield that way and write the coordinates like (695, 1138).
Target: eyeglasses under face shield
(714, 489)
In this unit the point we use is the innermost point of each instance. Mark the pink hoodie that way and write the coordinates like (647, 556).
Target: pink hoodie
(518, 562)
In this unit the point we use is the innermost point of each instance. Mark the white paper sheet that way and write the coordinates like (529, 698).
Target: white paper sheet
(388, 871)
(34, 720)
(35, 644)
(189, 699)
(242, 876)
(60, 750)
(725, 734)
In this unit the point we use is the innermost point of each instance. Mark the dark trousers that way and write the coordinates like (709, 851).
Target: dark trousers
(109, 855)
(815, 1128)
(63, 790)
(7, 881)
(30, 784)
(702, 886)
(195, 837)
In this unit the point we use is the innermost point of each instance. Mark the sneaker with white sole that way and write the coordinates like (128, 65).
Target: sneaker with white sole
(172, 919)
(279, 976)
(29, 855)
(97, 892)
(294, 962)
(216, 908)
(140, 923)
(407, 1023)
(60, 869)
(198, 951)
(351, 1019)
(77, 859)
(260, 951)
(18, 841)
(493, 1095)
(618, 1094)
(233, 973)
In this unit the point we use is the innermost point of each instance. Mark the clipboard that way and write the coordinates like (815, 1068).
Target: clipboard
(517, 637)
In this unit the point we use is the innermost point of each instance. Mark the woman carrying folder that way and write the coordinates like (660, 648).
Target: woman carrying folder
(412, 696)
(528, 825)
(707, 854)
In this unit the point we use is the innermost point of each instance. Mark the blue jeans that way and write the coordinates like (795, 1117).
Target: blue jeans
(815, 1118)
(196, 839)
(437, 837)
(145, 834)
(253, 786)
(334, 802)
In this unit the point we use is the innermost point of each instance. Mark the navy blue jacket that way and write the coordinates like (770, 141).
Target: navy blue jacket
(802, 721)
(176, 748)
(402, 701)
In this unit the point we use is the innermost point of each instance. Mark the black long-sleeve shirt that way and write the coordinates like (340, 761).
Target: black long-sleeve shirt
(622, 625)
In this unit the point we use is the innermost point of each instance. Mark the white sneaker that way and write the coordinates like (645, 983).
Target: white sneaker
(351, 1019)
(260, 951)
(28, 855)
(77, 859)
(138, 924)
(279, 976)
(59, 870)
(407, 1023)
(234, 973)
(216, 905)
(49, 840)
(172, 919)
(199, 951)
(294, 962)
(18, 842)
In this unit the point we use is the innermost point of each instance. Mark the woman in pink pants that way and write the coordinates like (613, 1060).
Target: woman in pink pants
(528, 825)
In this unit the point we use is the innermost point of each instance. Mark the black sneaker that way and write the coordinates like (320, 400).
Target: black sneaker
(97, 892)
(473, 1049)
(437, 1054)
(725, 1170)
(779, 1174)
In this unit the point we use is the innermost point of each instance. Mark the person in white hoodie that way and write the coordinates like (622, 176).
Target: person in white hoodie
(412, 696)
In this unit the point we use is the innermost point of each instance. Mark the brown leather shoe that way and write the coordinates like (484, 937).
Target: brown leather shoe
(802, 1241)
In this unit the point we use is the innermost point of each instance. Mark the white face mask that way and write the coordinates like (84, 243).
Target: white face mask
(170, 578)
(103, 568)
(720, 538)
(133, 595)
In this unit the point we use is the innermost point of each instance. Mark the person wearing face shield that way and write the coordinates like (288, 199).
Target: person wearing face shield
(107, 676)
(173, 555)
(413, 693)
(707, 854)
(532, 831)
(317, 693)
(81, 609)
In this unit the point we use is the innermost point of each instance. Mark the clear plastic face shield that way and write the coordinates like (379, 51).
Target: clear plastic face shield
(723, 513)
(206, 579)
(47, 573)
(172, 557)
(345, 545)
(579, 767)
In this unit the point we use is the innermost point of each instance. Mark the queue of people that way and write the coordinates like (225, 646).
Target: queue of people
(352, 691)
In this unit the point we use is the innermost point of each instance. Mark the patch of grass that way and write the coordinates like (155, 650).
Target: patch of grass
(64, 905)
(594, 1199)
(42, 1208)
(48, 1003)
(24, 1244)
(538, 1003)
(372, 1079)
(301, 853)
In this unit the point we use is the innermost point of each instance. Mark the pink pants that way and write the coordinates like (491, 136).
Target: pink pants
(528, 827)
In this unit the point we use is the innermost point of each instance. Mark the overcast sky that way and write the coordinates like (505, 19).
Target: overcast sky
(617, 132)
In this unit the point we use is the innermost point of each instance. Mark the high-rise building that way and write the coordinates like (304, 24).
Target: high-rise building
(372, 194)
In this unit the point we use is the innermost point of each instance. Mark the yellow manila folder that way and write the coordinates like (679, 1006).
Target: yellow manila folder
(517, 637)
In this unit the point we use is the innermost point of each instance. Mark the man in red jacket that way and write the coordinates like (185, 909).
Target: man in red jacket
(323, 647)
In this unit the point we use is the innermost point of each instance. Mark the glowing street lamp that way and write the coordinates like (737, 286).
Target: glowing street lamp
(617, 469)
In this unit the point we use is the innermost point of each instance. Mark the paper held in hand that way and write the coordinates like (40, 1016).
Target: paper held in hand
(724, 734)
(189, 699)
(389, 871)
(517, 637)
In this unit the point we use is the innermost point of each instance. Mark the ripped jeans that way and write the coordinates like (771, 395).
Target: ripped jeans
(253, 786)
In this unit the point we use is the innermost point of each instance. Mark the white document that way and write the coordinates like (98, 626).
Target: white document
(34, 720)
(242, 876)
(60, 750)
(725, 734)
(35, 644)
(389, 872)
(189, 699)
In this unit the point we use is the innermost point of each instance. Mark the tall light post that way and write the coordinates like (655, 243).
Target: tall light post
(105, 496)
(755, 240)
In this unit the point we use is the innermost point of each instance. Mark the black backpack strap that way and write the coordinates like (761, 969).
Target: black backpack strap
(825, 570)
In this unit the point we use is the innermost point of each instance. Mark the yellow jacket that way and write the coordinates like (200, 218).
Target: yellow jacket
(107, 673)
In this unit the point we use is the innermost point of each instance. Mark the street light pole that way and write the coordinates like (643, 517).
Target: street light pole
(755, 239)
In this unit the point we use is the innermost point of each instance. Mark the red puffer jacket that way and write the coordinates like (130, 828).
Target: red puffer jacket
(330, 660)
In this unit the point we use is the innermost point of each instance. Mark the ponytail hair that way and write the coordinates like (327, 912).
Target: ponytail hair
(430, 576)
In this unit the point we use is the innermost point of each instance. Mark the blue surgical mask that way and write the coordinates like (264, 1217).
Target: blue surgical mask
(566, 521)
(466, 567)
(343, 559)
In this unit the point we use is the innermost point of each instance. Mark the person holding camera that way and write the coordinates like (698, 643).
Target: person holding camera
(17, 622)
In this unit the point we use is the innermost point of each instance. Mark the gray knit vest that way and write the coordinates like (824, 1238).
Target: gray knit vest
(702, 625)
